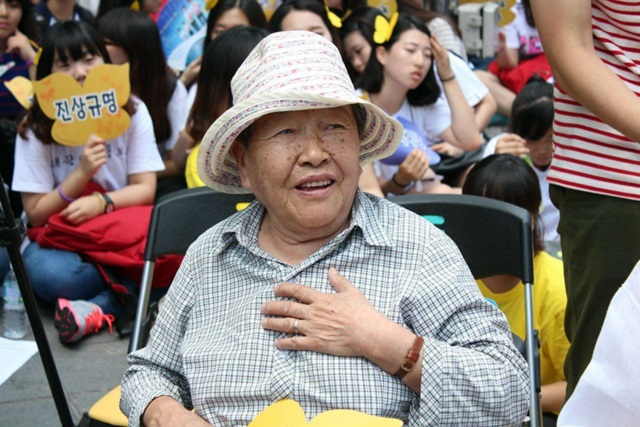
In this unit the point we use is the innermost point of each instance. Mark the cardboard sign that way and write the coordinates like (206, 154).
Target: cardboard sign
(288, 413)
(80, 111)
(183, 27)
(22, 89)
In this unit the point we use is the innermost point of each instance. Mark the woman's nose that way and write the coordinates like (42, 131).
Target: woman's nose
(79, 71)
(313, 151)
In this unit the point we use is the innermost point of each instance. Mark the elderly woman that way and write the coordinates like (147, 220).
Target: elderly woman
(318, 292)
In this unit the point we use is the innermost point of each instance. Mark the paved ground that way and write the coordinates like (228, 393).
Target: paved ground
(87, 370)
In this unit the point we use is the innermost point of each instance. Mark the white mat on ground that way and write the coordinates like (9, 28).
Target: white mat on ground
(14, 354)
(608, 393)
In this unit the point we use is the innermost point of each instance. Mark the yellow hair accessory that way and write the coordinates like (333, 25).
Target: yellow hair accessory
(210, 4)
(333, 18)
(384, 28)
(135, 5)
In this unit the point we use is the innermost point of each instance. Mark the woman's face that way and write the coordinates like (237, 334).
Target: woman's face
(541, 150)
(117, 54)
(305, 21)
(358, 50)
(304, 167)
(150, 6)
(77, 69)
(230, 19)
(10, 15)
(408, 60)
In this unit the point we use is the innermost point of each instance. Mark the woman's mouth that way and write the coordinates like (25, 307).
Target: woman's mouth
(315, 185)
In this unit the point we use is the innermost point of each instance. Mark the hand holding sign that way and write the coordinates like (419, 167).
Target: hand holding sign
(81, 111)
(412, 138)
(413, 163)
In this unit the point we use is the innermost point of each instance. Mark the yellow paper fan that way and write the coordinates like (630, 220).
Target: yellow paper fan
(22, 89)
(135, 5)
(384, 28)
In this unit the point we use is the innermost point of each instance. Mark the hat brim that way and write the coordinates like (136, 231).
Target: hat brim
(217, 167)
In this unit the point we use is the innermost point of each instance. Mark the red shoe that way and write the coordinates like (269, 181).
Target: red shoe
(75, 319)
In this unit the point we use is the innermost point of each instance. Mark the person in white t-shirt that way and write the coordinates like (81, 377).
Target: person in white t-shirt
(401, 79)
(530, 137)
(54, 178)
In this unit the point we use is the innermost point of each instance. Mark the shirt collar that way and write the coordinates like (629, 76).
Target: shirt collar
(245, 225)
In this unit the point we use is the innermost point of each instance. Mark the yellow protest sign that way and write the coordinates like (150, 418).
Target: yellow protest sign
(288, 413)
(80, 111)
(22, 89)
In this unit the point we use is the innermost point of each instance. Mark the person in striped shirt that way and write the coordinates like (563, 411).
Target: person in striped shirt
(592, 47)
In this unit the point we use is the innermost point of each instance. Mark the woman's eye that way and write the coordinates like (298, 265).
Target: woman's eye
(284, 132)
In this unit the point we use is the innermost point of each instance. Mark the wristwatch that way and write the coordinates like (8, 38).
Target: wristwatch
(109, 207)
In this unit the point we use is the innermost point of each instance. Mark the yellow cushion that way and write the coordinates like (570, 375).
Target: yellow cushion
(107, 409)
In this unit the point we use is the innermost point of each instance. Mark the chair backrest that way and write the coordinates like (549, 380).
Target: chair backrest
(180, 217)
(177, 220)
(494, 237)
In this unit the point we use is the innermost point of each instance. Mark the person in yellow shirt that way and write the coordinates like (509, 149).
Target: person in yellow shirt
(509, 178)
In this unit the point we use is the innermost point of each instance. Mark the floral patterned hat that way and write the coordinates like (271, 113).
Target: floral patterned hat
(288, 71)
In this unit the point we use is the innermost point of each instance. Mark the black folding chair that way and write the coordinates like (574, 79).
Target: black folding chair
(494, 237)
(176, 221)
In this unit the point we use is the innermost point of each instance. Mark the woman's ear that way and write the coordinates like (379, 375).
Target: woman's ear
(381, 55)
(238, 152)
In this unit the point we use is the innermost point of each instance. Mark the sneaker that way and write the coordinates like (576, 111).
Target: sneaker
(75, 319)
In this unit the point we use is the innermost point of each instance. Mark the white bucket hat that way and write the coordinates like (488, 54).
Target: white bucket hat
(288, 71)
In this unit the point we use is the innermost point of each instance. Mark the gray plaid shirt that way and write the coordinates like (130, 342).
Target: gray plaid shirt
(208, 350)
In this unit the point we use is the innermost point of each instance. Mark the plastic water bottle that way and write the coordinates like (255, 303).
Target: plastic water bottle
(15, 316)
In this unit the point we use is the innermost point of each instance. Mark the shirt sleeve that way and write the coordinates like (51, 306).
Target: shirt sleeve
(436, 118)
(177, 113)
(471, 372)
(472, 88)
(33, 172)
(142, 154)
(157, 369)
